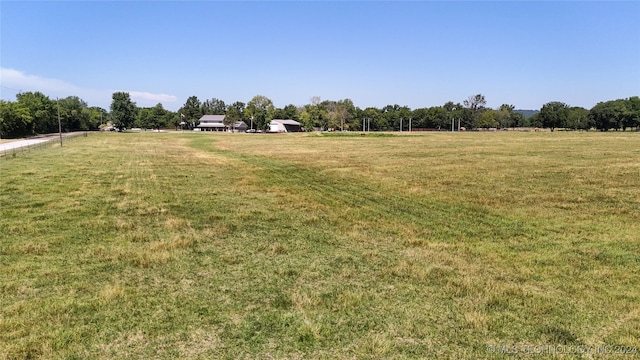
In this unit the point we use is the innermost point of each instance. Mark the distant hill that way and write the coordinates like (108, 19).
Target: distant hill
(527, 113)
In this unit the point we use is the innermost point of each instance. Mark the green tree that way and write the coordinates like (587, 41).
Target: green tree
(535, 120)
(633, 104)
(213, 107)
(172, 119)
(391, 114)
(315, 115)
(232, 117)
(374, 119)
(487, 119)
(15, 120)
(43, 112)
(288, 112)
(554, 115)
(305, 118)
(261, 109)
(475, 106)
(191, 111)
(518, 120)
(143, 118)
(333, 118)
(239, 106)
(505, 116)
(397, 117)
(613, 114)
(123, 110)
(578, 119)
(440, 118)
(158, 116)
(73, 114)
(96, 117)
(454, 112)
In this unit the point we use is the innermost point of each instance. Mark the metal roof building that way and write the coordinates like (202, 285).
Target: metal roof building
(284, 125)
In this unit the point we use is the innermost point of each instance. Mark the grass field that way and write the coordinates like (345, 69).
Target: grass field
(307, 246)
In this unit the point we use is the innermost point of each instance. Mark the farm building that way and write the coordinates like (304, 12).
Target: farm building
(281, 125)
(211, 123)
(216, 123)
(240, 126)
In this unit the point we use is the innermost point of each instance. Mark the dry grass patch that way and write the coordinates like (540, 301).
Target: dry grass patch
(176, 224)
(112, 292)
(230, 245)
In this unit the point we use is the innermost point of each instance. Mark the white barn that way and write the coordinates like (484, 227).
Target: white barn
(284, 125)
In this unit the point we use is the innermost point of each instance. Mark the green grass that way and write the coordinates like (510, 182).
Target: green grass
(302, 246)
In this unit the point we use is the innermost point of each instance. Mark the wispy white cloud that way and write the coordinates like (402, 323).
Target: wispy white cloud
(146, 96)
(17, 81)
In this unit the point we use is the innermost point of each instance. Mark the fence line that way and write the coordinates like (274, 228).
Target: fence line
(21, 150)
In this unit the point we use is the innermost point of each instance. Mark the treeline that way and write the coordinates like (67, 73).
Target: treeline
(34, 113)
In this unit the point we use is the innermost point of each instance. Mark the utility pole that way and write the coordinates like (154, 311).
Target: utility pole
(409, 124)
(59, 123)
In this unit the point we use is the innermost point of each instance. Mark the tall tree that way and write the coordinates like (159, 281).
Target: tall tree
(144, 118)
(238, 105)
(43, 112)
(609, 114)
(96, 117)
(475, 102)
(232, 117)
(633, 104)
(261, 109)
(191, 111)
(123, 110)
(317, 113)
(475, 105)
(437, 117)
(213, 107)
(74, 114)
(15, 120)
(454, 112)
(518, 120)
(374, 119)
(505, 116)
(554, 115)
(333, 119)
(487, 119)
(578, 119)
(288, 112)
(158, 116)
(396, 116)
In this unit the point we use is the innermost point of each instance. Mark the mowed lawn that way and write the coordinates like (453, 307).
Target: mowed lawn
(435, 245)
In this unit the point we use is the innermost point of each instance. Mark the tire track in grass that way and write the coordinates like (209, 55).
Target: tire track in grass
(444, 220)
(486, 239)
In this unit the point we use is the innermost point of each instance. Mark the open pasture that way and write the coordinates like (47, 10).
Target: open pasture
(437, 245)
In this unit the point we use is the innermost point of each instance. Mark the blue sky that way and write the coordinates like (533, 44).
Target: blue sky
(415, 53)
